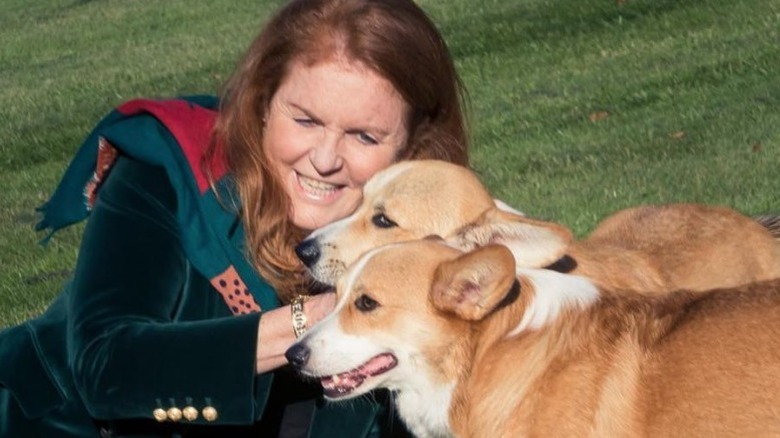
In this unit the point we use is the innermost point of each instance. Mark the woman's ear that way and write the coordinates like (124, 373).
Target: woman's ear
(474, 284)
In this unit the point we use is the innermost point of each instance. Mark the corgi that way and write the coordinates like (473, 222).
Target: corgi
(652, 248)
(480, 344)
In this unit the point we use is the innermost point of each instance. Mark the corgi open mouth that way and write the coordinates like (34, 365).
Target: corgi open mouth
(342, 384)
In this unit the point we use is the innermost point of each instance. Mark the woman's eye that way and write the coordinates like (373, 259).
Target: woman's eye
(364, 303)
(306, 122)
(382, 221)
(366, 139)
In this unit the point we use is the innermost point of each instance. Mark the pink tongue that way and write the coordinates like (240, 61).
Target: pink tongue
(350, 380)
(377, 364)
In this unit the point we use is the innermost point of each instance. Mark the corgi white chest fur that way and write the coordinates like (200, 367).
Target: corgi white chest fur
(425, 407)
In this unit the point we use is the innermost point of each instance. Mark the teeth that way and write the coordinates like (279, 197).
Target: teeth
(336, 379)
(316, 185)
(317, 189)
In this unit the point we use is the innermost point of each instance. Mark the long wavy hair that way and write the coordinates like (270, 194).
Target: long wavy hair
(395, 39)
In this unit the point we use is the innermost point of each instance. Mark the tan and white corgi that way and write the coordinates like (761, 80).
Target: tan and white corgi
(483, 344)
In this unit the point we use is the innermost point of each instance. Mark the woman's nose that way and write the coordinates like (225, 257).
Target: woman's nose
(326, 157)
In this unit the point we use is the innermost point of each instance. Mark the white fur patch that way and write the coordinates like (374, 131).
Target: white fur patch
(354, 271)
(333, 351)
(503, 206)
(425, 408)
(386, 176)
(553, 291)
(333, 227)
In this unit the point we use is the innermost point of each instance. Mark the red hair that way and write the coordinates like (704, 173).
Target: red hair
(394, 38)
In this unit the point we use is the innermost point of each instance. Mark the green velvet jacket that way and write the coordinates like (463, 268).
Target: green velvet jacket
(162, 313)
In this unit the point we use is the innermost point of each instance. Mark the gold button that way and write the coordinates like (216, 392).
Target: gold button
(160, 415)
(209, 413)
(190, 413)
(174, 414)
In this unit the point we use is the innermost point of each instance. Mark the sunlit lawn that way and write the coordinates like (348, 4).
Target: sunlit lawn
(578, 107)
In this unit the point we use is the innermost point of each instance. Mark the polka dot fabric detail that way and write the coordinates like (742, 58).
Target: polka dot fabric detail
(234, 292)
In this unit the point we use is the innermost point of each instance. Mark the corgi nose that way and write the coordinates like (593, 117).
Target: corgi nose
(297, 355)
(308, 252)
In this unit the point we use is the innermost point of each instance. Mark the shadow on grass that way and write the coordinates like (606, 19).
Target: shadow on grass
(553, 21)
(45, 277)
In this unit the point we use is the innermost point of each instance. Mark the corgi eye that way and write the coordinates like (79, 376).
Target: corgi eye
(364, 303)
(382, 221)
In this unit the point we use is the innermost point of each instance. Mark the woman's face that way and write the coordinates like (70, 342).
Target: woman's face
(329, 128)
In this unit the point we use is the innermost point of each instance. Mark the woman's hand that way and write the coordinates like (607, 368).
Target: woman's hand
(275, 331)
(318, 307)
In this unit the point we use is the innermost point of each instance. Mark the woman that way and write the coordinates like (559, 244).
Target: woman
(167, 329)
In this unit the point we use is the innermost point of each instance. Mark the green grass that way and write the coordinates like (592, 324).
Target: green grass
(687, 95)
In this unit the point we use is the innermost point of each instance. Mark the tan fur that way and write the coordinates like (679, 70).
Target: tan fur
(681, 246)
(648, 248)
(771, 222)
(625, 365)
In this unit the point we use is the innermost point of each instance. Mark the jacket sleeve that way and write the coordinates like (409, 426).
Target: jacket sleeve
(128, 351)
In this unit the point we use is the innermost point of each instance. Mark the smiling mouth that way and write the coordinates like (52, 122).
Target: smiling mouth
(316, 189)
(343, 384)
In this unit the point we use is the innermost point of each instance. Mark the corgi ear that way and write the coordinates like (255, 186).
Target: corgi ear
(533, 243)
(503, 206)
(474, 284)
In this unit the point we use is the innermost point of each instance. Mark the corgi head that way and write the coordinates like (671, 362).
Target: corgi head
(414, 199)
(399, 324)
(385, 331)
(409, 200)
